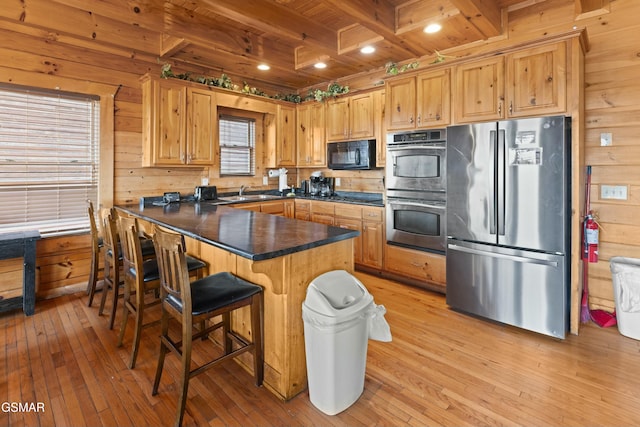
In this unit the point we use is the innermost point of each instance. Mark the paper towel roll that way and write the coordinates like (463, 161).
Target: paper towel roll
(273, 173)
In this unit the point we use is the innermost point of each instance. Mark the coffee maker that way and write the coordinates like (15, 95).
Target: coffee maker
(315, 185)
(326, 186)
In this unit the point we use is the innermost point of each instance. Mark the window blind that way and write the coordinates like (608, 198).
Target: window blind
(237, 145)
(49, 148)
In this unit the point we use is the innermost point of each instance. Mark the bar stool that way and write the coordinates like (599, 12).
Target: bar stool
(190, 303)
(140, 279)
(113, 260)
(96, 246)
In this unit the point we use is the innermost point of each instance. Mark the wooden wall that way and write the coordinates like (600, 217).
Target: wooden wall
(35, 51)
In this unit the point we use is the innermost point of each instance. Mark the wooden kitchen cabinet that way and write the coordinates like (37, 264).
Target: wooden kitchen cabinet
(418, 265)
(178, 124)
(202, 127)
(368, 247)
(537, 81)
(373, 236)
(286, 136)
(274, 207)
(528, 82)
(350, 216)
(302, 210)
(351, 117)
(323, 212)
(311, 134)
(421, 101)
(381, 127)
(401, 103)
(479, 90)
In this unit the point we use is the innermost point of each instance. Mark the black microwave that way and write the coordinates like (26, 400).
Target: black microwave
(351, 154)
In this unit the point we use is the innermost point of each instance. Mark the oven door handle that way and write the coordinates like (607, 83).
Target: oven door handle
(413, 147)
(416, 204)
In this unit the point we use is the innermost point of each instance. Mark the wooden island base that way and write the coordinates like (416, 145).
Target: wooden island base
(285, 280)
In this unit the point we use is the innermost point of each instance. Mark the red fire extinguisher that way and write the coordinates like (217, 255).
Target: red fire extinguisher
(591, 238)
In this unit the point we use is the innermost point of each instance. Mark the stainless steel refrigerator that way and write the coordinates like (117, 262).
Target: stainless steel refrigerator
(508, 222)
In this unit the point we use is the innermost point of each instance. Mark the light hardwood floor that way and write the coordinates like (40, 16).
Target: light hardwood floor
(442, 368)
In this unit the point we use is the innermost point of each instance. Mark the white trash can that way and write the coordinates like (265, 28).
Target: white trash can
(336, 315)
(625, 273)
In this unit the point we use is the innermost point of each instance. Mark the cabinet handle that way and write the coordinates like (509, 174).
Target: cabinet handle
(511, 107)
(411, 119)
(500, 108)
(419, 118)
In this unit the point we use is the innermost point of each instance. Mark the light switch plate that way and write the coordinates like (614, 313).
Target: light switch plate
(204, 181)
(606, 139)
(615, 192)
(337, 182)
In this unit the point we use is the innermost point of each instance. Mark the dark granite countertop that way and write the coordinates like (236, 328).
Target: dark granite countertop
(250, 234)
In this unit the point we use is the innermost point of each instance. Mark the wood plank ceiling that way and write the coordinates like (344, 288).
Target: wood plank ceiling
(235, 36)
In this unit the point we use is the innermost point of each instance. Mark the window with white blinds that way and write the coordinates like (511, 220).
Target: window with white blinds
(237, 145)
(49, 148)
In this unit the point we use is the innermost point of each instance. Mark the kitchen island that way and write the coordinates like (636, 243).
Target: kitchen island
(280, 254)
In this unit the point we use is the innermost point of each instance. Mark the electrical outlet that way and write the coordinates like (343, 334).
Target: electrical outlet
(265, 180)
(616, 192)
(337, 182)
(606, 139)
(204, 181)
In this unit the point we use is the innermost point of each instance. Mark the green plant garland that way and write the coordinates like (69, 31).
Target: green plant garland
(224, 81)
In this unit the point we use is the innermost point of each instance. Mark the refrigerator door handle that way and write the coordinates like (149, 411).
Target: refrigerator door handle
(514, 258)
(501, 166)
(492, 183)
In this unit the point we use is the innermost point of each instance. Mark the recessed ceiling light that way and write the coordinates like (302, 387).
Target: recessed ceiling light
(320, 65)
(432, 28)
(263, 67)
(367, 49)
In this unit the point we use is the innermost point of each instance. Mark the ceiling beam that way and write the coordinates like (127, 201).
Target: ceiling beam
(378, 16)
(590, 8)
(485, 15)
(272, 18)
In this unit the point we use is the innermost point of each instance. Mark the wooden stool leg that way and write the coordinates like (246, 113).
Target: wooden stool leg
(162, 354)
(226, 327)
(123, 323)
(114, 305)
(187, 337)
(256, 327)
(106, 286)
(93, 280)
(137, 332)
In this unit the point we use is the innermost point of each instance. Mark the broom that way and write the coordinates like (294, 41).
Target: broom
(585, 315)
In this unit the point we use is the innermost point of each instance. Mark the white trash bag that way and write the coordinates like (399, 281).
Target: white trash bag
(379, 329)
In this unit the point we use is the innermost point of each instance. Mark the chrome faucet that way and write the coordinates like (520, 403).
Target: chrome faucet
(242, 188)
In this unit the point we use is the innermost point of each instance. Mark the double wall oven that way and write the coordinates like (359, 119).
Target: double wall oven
(416, 189)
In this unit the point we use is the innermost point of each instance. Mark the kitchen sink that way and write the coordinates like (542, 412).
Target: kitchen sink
(248, 197)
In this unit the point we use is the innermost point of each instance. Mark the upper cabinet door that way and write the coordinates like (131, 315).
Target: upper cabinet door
(338, 119)
(479, 92)
(170, 111)
(536, 81)
(434, 98)
(401, 103)
(318, 142)
(286, 136)
(201, 127)
(361, 116)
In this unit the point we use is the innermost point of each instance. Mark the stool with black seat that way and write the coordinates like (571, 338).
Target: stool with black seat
(96, 247)
(194, 303)
(141, 281)
(113, 260)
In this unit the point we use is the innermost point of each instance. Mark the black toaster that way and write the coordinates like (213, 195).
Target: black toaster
(205, 192)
